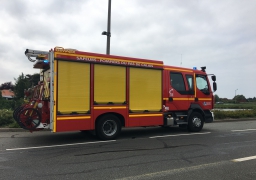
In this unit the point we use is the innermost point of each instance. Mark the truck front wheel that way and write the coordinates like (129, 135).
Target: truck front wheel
(108, 127)
(195, 122)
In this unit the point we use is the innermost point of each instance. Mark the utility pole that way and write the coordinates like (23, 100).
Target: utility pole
(235, 95)
(108, 33)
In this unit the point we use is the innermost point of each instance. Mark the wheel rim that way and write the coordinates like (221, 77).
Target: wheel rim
(197, 122)
(109, 127)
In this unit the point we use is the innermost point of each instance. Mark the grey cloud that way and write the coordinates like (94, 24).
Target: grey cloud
(218, 34)
(15, 8)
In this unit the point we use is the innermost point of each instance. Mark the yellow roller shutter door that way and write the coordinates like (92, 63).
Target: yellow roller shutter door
(109, 84)
(73, 87)
(145, 89)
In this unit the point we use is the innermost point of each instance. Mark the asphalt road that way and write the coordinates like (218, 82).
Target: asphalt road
(223, 150)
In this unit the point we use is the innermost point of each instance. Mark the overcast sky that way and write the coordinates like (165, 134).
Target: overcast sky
(218, 34)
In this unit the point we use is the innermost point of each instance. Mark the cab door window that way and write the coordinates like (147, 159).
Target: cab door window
(177, 82)
(190, 83)
(201, 84)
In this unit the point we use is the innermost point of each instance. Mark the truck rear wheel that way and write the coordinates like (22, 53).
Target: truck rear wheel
(195, 122)
(108, 127)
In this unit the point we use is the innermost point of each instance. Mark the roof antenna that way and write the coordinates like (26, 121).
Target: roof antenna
(180, 59)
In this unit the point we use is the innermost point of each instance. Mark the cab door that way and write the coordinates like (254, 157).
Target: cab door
(178, 92)
(191, 87)
(203, 96)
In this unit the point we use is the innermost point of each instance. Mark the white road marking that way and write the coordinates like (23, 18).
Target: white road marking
(244, 159)
(167, 173)
(61, 145)
(243, 130)
(239, 142)
(189, 134)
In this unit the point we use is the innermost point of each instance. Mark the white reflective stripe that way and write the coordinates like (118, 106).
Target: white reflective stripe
(243, 130)
(61, 145)
(244, 159)
(190, 134)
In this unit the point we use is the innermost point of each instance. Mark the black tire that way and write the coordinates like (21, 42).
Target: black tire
(17, 111)
(195, 122)
(108, 127)
(16, 116)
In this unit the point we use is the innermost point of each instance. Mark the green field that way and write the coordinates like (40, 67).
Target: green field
(246, 110)
(246, 105)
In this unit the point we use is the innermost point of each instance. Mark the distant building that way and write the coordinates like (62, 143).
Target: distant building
(7, 94)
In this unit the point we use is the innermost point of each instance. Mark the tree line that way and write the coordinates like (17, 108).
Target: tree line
(236, 99)
(21, 83)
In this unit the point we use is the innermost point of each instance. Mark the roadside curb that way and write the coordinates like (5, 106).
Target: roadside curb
(17, 130)
(12, 130)
(215, 121)
(232, 120)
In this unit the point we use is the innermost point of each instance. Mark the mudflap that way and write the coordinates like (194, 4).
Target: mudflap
(209, 117)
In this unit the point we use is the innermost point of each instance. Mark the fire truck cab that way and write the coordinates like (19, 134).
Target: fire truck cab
(80, 91)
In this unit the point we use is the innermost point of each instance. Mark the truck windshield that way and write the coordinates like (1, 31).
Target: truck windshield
(201, 83)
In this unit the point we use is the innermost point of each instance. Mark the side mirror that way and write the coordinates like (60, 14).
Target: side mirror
(214, 78)
(214, 86)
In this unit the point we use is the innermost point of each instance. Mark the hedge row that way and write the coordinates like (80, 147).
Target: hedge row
(234, 114)
(235, 106)
(6, 111)
(10, 104)
(6, 117)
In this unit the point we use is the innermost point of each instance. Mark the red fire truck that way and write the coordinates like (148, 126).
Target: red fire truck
(80, 91)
